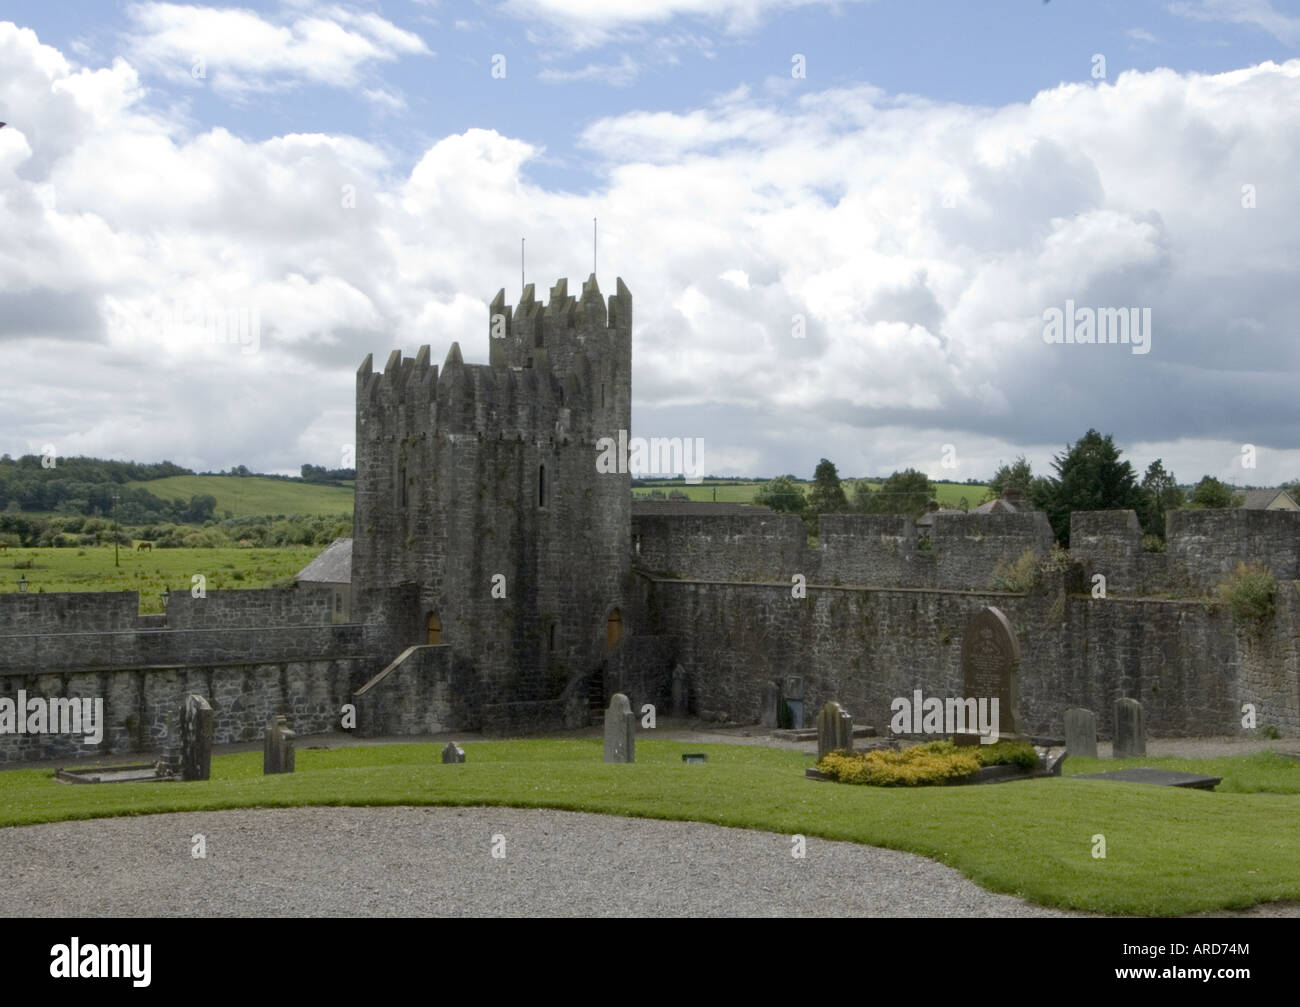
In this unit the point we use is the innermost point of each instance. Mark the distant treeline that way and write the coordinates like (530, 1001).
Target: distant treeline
(87, 486)
(309, 474)
(262, 532)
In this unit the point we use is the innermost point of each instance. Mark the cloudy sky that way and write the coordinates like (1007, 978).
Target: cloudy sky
(843, 224)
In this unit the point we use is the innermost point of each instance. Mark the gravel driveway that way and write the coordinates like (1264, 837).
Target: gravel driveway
(438, 862)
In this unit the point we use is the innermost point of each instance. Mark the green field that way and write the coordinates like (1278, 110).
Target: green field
(91, 569)
(948, 494)
(1169, 851)
(249, 495)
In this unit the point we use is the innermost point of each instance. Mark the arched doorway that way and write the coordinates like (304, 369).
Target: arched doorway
(433, 629)
(613, 629)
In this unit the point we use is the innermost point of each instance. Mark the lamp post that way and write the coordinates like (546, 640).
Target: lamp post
(165, 596)
(22, 585)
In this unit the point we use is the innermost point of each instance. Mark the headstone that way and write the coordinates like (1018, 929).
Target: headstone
(196, 738)
(771, 705)
(834, 730)
(792, 692)
(1081, 733)
(620, 730)
(453, 753)
(681, 693)
(990, 668)
(277, 752)
(1130, 737)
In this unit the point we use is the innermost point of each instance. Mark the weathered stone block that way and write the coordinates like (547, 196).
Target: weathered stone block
(1130, 737)
(196, 738)
(771, 705)
(277, 750)
(834, 730)
(1081, 733)
(620, 730)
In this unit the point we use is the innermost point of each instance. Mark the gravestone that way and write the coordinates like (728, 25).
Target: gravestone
(834, 730)
(793, 695)
(771, 705)
(620, 730)
(277, 751)
(1130, 737)
(453, 753)
(990, 668)
(196, 738)
(681, 693)
(1081, 733)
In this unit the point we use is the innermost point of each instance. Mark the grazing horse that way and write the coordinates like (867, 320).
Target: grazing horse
(144, 546)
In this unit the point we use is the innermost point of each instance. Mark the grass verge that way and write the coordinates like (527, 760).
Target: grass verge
(1169, 851)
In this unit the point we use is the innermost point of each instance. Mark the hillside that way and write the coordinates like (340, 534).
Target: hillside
(245, 495)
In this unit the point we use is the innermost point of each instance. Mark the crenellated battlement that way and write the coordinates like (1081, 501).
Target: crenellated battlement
(560, 369)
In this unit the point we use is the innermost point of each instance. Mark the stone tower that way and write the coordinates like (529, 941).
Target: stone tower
(481, 521)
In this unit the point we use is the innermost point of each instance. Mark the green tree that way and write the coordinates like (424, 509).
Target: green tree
(1016, 476)
(1161, 493)
(782, 494)
(1089, 476)
(907, 492)
(1210, 493)
(827, 496)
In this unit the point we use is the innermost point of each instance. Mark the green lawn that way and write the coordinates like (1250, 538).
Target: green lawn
(1169, 851)
(251, 495)
(90, 568)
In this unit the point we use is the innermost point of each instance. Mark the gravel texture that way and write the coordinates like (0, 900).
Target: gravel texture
(438, 862)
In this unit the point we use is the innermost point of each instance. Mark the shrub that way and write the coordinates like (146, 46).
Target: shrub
(1153, 543)
(918, 766)
(1021, 576)
(1270, 731)
(1009, 753)
(936, 762)
(1248, 592)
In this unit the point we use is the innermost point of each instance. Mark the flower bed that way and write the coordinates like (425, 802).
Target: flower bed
(936, 762)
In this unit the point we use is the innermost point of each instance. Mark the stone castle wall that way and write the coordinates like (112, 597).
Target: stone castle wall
(104, 630)
(1191, 667)
(142, 706)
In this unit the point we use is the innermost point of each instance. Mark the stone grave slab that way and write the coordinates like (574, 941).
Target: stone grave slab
(1156, 777)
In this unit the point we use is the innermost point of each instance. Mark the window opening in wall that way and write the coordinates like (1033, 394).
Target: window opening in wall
(434, 630)
(613, 629)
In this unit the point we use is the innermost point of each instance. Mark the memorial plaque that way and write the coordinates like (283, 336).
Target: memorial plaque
(990, 665)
